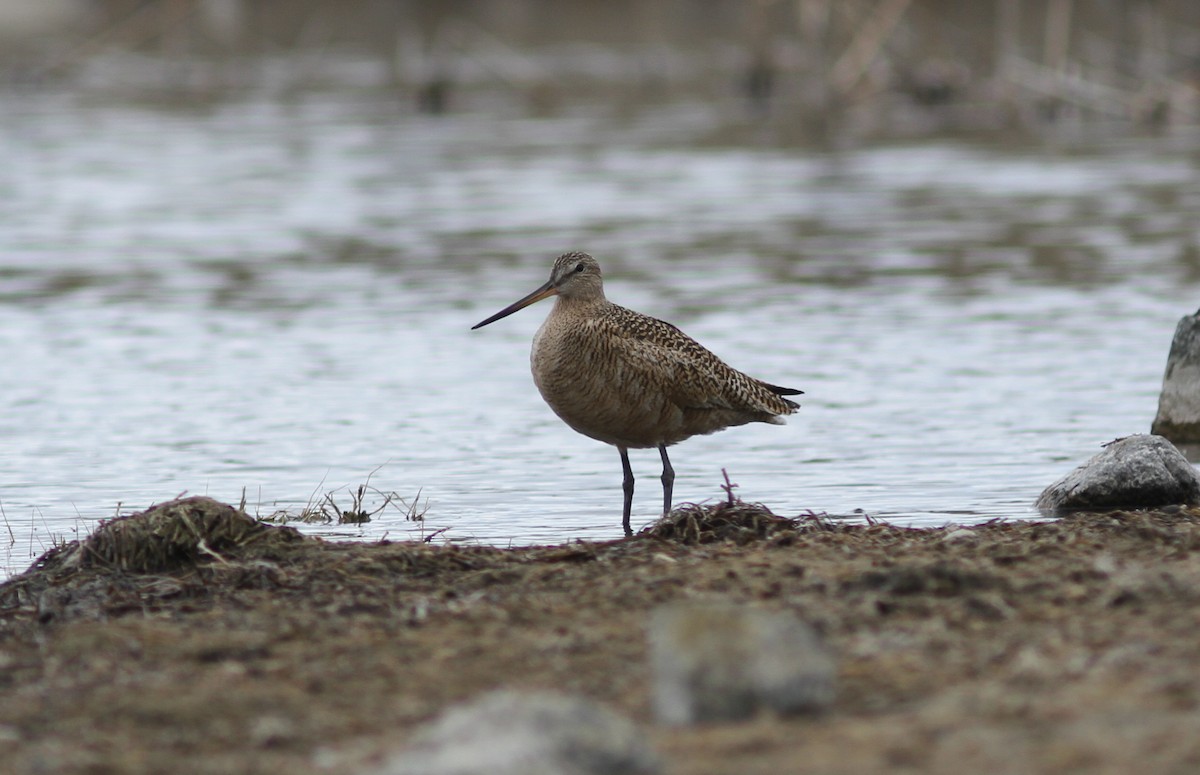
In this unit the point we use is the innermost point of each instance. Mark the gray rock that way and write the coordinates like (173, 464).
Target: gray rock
(526, 733)
(724, 663)
(1136, 472)
(1178, 417)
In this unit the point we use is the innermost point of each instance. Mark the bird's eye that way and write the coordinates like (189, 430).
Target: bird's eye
(578, 268)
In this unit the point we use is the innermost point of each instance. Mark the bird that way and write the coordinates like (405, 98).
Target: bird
(632, 380)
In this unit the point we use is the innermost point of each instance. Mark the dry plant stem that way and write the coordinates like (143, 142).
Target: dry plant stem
(872, 35)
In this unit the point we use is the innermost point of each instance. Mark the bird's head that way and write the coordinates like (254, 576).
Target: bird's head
(575, 276)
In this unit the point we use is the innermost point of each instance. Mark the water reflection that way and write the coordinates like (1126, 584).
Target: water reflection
(274, 298)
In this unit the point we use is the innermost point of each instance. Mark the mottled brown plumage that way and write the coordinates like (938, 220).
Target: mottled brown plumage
(631, 380)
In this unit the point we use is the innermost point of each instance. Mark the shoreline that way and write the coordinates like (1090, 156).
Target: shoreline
(1004, 647)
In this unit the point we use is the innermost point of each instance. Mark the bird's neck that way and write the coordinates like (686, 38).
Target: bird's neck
(576, 305)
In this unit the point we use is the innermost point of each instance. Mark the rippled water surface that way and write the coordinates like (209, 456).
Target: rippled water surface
(273, 297)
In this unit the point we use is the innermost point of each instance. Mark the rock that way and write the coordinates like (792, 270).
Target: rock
(1178, 417)
(526, 733)
(1136, 472)
(724, 663)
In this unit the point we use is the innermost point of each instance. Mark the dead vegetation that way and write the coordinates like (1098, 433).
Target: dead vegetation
(731, 520)
(366, 502)
(164, 537)
(734, 521)
(836, 69)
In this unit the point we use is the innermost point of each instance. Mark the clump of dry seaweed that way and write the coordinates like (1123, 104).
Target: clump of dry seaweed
(170, 535)
(730, 520)
(736, 521)
(152, 554)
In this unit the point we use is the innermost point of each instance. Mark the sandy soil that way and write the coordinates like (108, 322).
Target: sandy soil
(1007, 648)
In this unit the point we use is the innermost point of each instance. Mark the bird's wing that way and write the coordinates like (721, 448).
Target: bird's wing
(660, 356)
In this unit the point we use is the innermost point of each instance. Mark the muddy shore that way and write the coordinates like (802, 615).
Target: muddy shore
(1069, 646)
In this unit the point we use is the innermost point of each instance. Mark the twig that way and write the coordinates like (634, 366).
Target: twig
(1069, 87)
(728, 487)
(12, 538)
(429, 538)
(861, 52)
(1057, 35)
(411, 514)
(203, 547)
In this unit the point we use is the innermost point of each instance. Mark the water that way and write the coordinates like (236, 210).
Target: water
(272, 297)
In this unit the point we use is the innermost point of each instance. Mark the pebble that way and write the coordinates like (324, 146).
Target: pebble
(726, 663)
(526, 733)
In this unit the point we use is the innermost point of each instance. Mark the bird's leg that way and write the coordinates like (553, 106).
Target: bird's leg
(627, 485)
(668, 479)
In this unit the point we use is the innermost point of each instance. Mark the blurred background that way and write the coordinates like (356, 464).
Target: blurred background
(786, 72)
(242, 243)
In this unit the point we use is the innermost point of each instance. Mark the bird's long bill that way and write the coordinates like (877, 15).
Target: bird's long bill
(546, 290)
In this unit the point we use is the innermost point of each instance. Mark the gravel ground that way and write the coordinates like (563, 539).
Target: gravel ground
(227, 646)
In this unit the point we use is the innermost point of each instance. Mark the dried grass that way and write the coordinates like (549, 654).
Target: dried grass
(130, 559)
(731, 520)
(165, 537)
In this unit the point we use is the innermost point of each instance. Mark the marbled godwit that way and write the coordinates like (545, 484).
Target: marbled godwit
(631, 380)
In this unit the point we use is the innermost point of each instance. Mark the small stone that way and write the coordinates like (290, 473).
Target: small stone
(1178, 417)
(725, 663)
(1136, 472)
(267, 731)
(958, 535)
(526, 733)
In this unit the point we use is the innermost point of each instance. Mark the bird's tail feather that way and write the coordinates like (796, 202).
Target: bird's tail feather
(782, 391)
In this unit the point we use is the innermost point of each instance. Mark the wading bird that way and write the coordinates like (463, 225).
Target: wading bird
(631, 380)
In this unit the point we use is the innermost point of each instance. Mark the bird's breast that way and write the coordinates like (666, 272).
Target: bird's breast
(600, 386)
